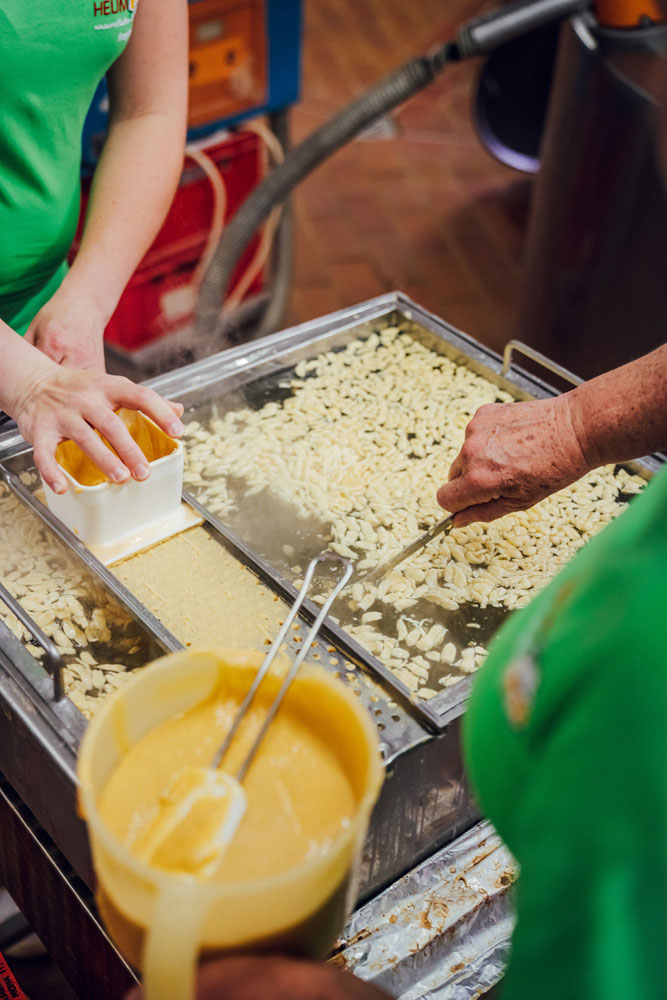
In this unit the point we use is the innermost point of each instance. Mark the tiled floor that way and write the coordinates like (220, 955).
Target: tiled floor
(428, 211)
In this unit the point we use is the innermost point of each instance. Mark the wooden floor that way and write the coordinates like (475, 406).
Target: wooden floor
(427, 211)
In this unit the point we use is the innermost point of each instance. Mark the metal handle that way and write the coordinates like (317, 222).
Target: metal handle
(388, 565)
(305, 647)
(270, 656)
(52, 652)
(538, 358)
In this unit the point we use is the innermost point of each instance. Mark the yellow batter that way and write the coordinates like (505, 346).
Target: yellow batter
(299, 797)
(202, 594)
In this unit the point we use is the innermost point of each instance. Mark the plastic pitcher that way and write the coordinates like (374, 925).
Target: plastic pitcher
(161, 922)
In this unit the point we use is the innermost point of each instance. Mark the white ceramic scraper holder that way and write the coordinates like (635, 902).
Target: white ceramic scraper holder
(118, 519)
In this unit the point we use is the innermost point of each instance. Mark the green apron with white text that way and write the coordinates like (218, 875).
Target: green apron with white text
(53, 53)
(566, 745)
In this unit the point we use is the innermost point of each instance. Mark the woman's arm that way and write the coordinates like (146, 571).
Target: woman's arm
(518, 453)
(276, 977)
(51, 404)
(133, 185)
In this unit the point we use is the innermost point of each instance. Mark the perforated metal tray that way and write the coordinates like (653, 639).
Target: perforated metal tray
(425, 801)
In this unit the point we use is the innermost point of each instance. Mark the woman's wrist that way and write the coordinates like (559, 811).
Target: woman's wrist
(88, 280)
(573, 444)
(622, 414)
(25, 368)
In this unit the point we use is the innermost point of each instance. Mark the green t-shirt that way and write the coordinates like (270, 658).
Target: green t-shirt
(53, 54)
(566, 744)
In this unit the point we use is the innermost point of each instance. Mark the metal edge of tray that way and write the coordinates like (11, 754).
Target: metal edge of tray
(35, 685)
(237, 362)
(438, 712)
(442, 809)
(125, 598)
(207, 371)
(329, 630)
(40, 740)
(202, 373)
(38, 748)
(446, 705)
(394, 739)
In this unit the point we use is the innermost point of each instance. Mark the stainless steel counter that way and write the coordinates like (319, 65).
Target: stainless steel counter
(425, 803)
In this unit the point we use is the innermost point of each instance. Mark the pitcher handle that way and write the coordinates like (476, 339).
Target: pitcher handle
(172, 943)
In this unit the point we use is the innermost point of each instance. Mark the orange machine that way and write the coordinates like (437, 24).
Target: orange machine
(627, 13)
(227, 58)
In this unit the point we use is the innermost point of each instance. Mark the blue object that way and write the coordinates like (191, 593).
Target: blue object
(283, 26)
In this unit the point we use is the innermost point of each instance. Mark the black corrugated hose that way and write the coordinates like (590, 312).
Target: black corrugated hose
(475, 38)
(330, 137)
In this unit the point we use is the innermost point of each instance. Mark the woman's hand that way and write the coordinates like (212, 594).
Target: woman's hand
(514, 455)
(276, 977)
(69, 329)
(54, 404)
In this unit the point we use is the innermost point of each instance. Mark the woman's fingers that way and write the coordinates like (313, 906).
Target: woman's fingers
(110, 425)
(486, 512)
(45, 460)
(462, 492)
(456, 468)
(122, 392)
(103, 457)
(74, 404)
(140, 397)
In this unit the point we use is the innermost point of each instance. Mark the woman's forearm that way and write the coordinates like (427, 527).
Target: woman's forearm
(132, 190)
(623, 414)
(143, 154)
(515, 454)
(22, 364)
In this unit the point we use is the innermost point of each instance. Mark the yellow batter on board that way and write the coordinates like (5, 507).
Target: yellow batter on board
(299, 796)
(202, 594)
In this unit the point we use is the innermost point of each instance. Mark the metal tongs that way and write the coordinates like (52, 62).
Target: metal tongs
(386, 567)
(294, 669)
(222, 795)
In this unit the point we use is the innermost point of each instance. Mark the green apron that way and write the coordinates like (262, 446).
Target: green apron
(566, 744)
(53, 54)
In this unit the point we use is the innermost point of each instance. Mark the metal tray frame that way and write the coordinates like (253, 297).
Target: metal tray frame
(234, 368)
(39, 736)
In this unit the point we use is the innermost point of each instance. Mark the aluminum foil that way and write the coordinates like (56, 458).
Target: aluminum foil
(441, 932)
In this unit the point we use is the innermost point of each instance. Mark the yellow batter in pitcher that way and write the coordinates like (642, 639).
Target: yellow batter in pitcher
(287, 879)
(299, 797)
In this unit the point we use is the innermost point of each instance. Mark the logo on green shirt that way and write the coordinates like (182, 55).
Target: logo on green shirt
(103, 8)
(109, 8)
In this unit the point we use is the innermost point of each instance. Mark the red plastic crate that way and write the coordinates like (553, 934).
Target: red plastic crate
(156, 300)
(9, 988)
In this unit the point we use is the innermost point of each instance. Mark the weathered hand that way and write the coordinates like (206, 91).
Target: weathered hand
(54, 404)
(69, 329)
(276, 977)
(514, 455)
